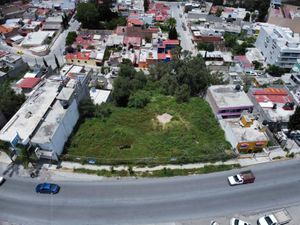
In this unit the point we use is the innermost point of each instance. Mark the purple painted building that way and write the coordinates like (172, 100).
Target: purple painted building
(228, 101)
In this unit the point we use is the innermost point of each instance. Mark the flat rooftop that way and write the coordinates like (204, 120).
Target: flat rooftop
(226, 96)
(247, 134)
(27, 118)
(48, 127)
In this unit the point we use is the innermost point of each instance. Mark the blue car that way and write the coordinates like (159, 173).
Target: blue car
(47, 188)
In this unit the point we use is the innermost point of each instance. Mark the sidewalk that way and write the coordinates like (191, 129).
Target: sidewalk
(66, 172)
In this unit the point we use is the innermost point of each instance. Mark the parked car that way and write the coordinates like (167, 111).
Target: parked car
(2, 180)
(276, 218)
(47, 188)
(235, 221)
(244, 177)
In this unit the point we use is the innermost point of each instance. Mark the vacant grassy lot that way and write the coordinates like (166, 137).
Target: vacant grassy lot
(135, 136)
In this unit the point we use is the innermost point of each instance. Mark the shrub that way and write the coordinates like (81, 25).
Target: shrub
(139, 99)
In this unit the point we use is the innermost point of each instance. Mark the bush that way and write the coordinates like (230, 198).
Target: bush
(139, 99)
(71, 38)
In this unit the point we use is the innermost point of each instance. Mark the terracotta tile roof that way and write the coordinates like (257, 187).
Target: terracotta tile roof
(4, 29)
(29, 83)
(79, 55)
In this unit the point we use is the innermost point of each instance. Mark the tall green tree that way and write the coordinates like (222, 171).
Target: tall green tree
(88, 15)
(294, 123)
(71, 37)
(10, 102)
(146, 5)
(173, 35)
(171, 23)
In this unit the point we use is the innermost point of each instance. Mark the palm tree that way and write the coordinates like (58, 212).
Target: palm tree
(171, 23)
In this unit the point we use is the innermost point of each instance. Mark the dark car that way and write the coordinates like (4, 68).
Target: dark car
(47, 188)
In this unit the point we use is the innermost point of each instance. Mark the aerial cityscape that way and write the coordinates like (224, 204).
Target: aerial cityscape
(148, 112)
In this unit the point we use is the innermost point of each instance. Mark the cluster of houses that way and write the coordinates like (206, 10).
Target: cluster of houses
(141, 41)
(34, 26)
(250, 118)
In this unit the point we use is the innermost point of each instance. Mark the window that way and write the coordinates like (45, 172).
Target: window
(85, 61)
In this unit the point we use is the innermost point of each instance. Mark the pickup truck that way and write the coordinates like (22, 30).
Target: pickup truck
(276, 218)
(244, 177)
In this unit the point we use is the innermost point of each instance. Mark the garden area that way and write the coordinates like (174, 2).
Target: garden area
(136, 135)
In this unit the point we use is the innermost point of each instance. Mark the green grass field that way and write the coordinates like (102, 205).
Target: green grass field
(193, 135)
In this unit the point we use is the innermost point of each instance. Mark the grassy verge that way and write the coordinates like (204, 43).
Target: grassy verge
(165, 172)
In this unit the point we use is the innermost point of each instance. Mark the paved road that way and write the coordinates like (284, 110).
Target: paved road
(148, 201)
(185, 35)
(57, 49)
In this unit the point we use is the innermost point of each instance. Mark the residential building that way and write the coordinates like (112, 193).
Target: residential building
(245, 134)
(275, 105)
(48, 116)
(11, 65)
(93, 58)
(275, 3)
(36, 39)
(279, 45)
(166, 45)
(228, 101)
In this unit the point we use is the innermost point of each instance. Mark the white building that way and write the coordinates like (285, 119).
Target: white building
(279, 45)
(48, 116)
(35, 39)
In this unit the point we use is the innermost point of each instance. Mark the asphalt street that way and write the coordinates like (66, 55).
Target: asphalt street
(185, 35)
(145, 201)
(56, 49)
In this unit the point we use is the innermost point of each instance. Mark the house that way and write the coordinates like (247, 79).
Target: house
(89, 58)
(276, 105)
(30, 13)
(48, 116)
(100, 96)
(228, 101)
(7, 32)
(27, 84)
(279, 45)
(11, 65)
(53, 23)
(166, 45)
(36, 39)
(244, 63)
(245, 134)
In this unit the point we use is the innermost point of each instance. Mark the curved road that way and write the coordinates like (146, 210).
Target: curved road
(150, 200)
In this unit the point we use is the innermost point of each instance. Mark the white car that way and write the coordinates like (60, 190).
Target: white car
(235, 180)
(2, 179)
(235, 221)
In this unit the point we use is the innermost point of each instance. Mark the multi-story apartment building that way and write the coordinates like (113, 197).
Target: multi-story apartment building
(279, 45)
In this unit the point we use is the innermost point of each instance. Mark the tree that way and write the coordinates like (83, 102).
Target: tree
(173, 35)
(230, 40)
(121, 91)
(217, 2)
(45, 63)
(247, 17)
(56, 61)
(146, 5)
(139, 99)
(205, 46)
(128, 82)
(275, 70)
(182, 93)
(294, 123)
(257, 65)
(88, 15)
(10, 102)
(71, 37)
(219, 12)
(102, 111)
(171, 23)
(86, 108)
